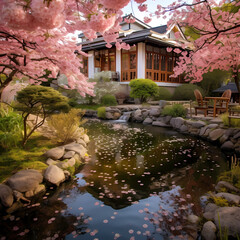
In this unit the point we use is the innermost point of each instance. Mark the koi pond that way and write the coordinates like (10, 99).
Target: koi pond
(139, 182)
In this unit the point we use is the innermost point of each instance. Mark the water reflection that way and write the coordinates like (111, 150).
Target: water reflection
(136, 184)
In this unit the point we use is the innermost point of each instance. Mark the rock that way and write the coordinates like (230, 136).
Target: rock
(77, 158)
(137, 116)
(216, 134)
(51, 162)
(167, 119)
(232, 198)
(216, 120)
(82, 142)
(14, 207)
(109, 116)
(67, 174)
(29, 194)
(237, 135)
(229, 218)
(223, 138)
(145, 113)
(209, 231)
(160, 124)
(210, 126)
(183, 128)
(227, 146)
(116, 115)
(228, 186)
(54, 175)
(77, 148)
(193, 219)
(198, 124)
(6, 195)
(147, 121)
(55, 153)
(209, 215)
(211, 207)
(40, 188)
(155, 112)
(69, 154)
(71, 162)
(178, 122)
(17, 195)
(162, 103)
(25, 180)
(85, 138)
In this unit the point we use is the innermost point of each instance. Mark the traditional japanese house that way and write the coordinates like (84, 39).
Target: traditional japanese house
(147, 57)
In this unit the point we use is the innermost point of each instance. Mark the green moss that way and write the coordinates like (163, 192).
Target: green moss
(71, 170)
(220, 201)
(31, 156)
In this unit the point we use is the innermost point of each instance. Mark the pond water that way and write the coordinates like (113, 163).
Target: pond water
(139, 182)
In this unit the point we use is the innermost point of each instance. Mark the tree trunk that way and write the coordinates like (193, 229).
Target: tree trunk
(5, 83)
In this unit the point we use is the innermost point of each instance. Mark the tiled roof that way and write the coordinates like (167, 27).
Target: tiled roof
(231, 85)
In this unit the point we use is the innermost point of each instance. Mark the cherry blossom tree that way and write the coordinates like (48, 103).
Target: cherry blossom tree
(216, 26)
(34, 36)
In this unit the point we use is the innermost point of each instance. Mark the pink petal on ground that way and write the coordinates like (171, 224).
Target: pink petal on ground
(15, 228)
(145, 225)
(105, 221)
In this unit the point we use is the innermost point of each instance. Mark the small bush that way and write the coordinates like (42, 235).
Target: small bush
(176, 110)
(65, 126)
(73, 102)
(11, 126)
(143, 89)
(163, 94)
(101, 112)
(186, 92)
(109, 100)
(234, 122)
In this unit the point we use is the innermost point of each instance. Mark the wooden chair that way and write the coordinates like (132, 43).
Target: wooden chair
(202, 104)
(222, 105)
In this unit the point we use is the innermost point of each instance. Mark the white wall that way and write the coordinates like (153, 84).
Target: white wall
(118, 62)
(91, 64)
(141, 60)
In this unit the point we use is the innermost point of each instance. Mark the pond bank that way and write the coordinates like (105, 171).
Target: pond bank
(228, 139)
(62, 162)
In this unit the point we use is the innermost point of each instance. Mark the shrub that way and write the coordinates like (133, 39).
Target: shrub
(109, 100)
(225, 119)
(143, 89)
(65, 126)
(186, 92)
(40, 101)
(163, 94)
(11, 126)
(73, 102)
(176, 110)
(101, 112)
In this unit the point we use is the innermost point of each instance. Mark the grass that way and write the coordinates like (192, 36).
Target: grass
(87, 106)
(30, 157)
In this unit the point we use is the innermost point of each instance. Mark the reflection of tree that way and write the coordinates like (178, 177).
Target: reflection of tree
(171, 219)
(48, 219)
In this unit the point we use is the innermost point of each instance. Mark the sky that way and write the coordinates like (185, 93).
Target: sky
(151, 8)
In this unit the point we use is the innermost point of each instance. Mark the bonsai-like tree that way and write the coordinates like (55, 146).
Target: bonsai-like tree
(143, 89)
(40, 101)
